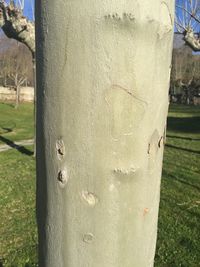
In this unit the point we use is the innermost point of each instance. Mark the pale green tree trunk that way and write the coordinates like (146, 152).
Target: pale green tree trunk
(103, 70)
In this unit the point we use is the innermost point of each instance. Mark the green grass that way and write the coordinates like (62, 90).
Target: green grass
(18, 236)
(179, 218)
(16, 124)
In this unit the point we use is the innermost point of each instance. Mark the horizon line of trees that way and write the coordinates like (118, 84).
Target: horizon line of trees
(185, 79)
(17, 57)
(15, 64)
(16, 70)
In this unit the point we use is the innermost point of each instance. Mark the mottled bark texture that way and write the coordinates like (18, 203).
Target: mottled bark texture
(16, 26)
(103, 72)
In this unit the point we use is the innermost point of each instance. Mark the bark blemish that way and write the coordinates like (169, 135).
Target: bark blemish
(145, 211)
(63, 177)
(165, 135)
(154, 140)
(130, 92)
(111, 187)
(167, 22)
(124, 16)
(88, 238)
(123, 105)
(149, 148)
(160, 142)
(125, 171)
(60, 149)
(124, 175)
(153, 148)
(89, 198)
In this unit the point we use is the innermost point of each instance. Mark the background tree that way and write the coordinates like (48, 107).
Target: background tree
(188, 21)
(16, 65)
(15, 25)
(184, 75)
(18, 74)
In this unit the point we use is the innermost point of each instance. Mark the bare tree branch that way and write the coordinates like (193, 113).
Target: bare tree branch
(16, 26)
(192, 40)
(187, 20)
(192, 15)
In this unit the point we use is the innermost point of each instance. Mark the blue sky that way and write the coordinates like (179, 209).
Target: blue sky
(184, 16)
(28, 8)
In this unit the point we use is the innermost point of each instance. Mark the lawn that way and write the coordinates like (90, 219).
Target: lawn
(16, 124)
(179, 217)
(18, 236)
(178, 232)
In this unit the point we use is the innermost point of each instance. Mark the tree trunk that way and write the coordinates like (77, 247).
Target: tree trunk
(187, 96)
(103, 70)
(35, 101)
(17, 99)
(5, 81)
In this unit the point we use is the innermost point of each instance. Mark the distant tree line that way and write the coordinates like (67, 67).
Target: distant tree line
(185, 80)
(16, 68)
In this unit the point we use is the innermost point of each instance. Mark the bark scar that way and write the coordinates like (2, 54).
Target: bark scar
(130, 93)
(60, 149)
(126, 110)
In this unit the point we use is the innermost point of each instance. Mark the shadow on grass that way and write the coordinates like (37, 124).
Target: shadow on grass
(26, 265)
(20, 148)
(7, 127)
(183, 149)
(187, 109)
(10, 104)
(185, 124)
(183, 137)
(171, 176)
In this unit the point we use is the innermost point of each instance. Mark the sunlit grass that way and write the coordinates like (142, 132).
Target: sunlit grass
(16, 124)
(179, 218)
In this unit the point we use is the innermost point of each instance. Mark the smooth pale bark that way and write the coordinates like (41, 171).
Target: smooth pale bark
(103, 70)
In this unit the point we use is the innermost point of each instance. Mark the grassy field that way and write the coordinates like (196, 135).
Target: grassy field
(18, 237)
(16, 124)
(179, 218)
